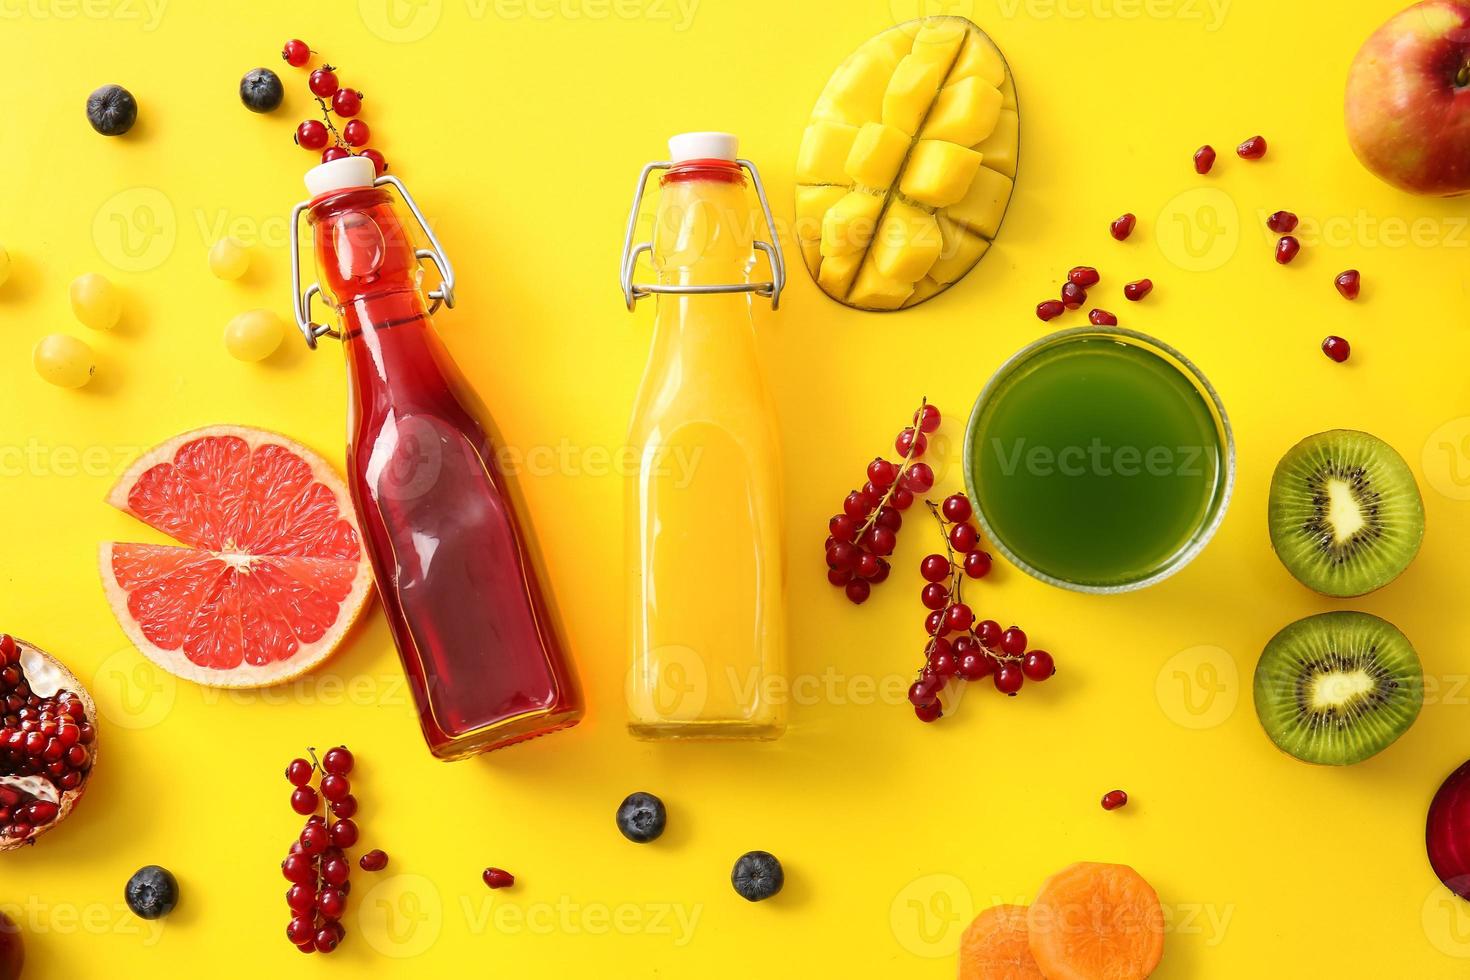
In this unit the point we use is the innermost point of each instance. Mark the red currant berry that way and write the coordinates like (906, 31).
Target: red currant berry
(347, 102)
(1038, 665)
(323, 82)
(918, 478)
(1084, 276)
(856, 506)
(1349, 283)
(975, 666)
(934, 596)
(880, 575)
(889, 518)
(880, 540)
(1286, 249)
(327, 939)
(334, 787)
(1282, 222)
(1252, 149)
(867, 565)
(842, 528)
(923, 690)
(882, 473)
(374, 860)
(858, 591)
(839, 576)
(932, 711)
(964, 537)
(1049, 309)
(380, 163)
(988, 633)
(927, 418)
(356, 133)
(335, 870)
(1204, 159)
(977, 564)
(296, 53)
(1008, 679)
(301, 899)
(299, 869)
(311, 135)
(942, 663)
(314, 838)
(934, 623)
(495, 878)
(345, 807)
(956, 507)
(1122, 226)
(300, 929)
(1137, 290)
(304, 800)
(1337, 348)
(901, 499)
(334, 153)
(934, 568)
(299, 772)
(344, 834)
(1113, 799)
(1013, 642)
(331, 903)
(958, 617)
(909, 439)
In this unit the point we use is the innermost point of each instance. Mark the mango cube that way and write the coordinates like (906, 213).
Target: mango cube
(939, 39)
(959, 252)
(979, 59)
(824, 150)
(849, 224)
(854, 95)
(876, 155)
(875, 291)
(907, 244)
(923, 289)
(837, 272)
(910, 91)
(811, 207)
(999, 148)
(939, 173)
(965, 112)
(982, 208)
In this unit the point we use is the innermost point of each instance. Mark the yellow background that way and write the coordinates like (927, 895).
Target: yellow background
(520, 127)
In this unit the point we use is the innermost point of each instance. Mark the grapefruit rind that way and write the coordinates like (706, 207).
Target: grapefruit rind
(203, 544)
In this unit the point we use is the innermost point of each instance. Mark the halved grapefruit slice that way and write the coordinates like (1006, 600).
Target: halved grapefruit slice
(271, 573)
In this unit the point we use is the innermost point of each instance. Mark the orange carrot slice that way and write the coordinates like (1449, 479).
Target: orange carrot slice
(1096, 922)
(995, 947)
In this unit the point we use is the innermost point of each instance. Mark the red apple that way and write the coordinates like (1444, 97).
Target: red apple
(12, 949)
(1408, 99)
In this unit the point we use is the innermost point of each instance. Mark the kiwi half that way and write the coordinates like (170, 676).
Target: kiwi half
(1345, 513)
(1338, 687)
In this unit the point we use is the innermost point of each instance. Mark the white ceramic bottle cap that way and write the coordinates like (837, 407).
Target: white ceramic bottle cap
(703, 146)
(340, 174)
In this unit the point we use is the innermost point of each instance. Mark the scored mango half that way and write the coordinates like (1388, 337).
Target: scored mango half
(907, 164)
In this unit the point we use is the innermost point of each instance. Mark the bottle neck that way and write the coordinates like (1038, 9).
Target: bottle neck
(364, 255)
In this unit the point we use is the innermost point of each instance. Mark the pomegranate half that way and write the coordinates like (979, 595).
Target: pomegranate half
(48, 742)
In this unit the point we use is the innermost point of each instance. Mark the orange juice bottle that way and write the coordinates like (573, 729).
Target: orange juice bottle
(704, 522)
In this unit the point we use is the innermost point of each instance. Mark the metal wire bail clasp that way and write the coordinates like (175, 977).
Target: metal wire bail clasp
(633, 291)
(301, 300)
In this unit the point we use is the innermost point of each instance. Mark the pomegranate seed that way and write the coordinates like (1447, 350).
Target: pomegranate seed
(1204, 159)
(496, 878)
(1138, 289)
(1101, 318)
(1281, 222)
(1337, 348)
(1122, 226)
(1286, 249)
(1348, 284)
(1049, 309)
(1084, 276)
(1113, 799)
(374, 860)
(1073, 295)
(1252, 149)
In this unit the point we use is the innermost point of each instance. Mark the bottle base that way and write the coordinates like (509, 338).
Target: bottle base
(706, 731)
(521, 729)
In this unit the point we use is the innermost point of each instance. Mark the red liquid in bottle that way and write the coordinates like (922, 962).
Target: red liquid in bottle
(458, 578)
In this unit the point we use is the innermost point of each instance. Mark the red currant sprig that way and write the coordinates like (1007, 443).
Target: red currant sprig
(332, 99)
(317, 864)
(959, 647)
(860, 539)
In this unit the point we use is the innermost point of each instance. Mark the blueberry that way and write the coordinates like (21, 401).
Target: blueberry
(112, 110)
(641, 818)
(152, 893)
(757, 876)
(261, 90)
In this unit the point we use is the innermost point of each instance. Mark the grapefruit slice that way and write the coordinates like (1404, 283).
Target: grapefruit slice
(270, 573)
(1096, 922)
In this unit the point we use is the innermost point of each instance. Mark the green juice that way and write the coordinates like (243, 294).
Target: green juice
(1099, 460)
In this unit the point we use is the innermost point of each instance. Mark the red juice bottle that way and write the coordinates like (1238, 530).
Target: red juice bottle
(444, 527)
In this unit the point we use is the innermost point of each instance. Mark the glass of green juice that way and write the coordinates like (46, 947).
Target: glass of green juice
(1099, 459)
